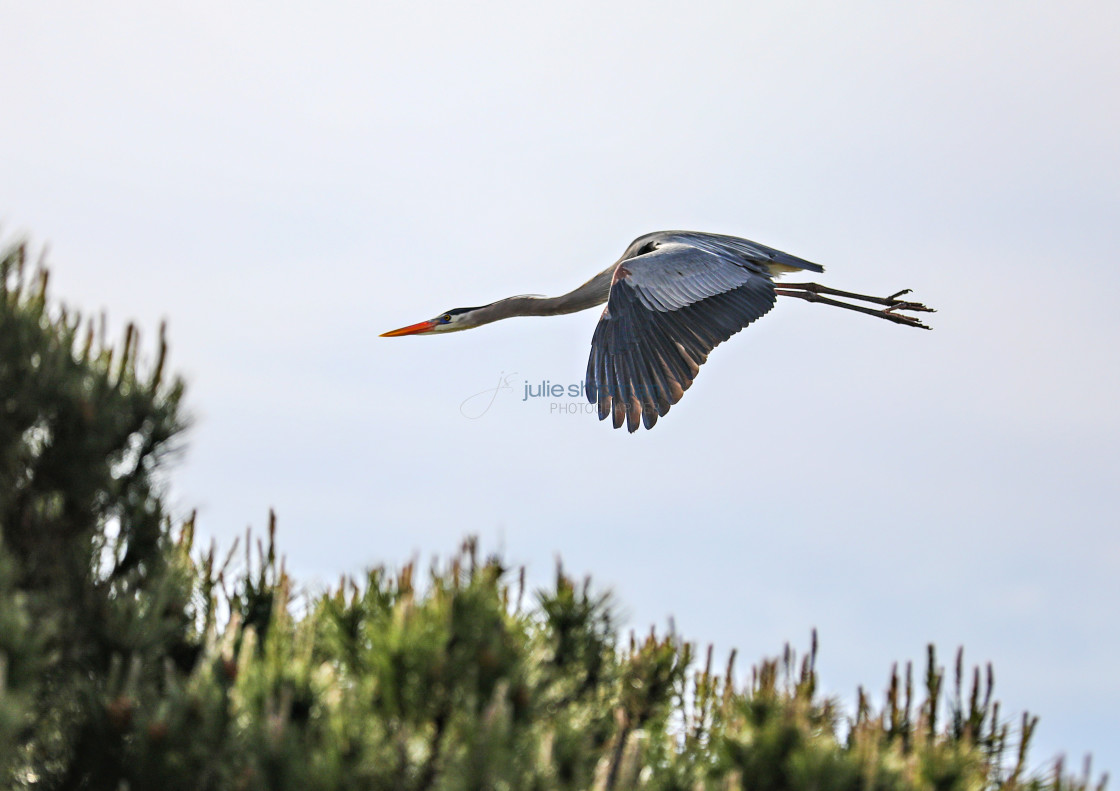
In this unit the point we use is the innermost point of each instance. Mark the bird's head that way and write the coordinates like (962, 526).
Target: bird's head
(449, 321)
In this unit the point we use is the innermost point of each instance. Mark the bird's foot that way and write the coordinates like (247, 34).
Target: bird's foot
(893, 303)
(902, 318)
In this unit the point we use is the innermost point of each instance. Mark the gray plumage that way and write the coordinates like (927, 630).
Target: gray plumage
(675, 296)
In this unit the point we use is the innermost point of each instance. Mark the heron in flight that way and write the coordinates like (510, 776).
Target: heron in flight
(671, 298)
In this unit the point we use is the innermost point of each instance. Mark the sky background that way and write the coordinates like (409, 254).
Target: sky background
(283, 182)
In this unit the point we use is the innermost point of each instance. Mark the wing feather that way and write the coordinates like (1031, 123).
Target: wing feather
(667, 309)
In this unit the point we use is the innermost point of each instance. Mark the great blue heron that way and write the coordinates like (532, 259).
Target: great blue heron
(671, 298)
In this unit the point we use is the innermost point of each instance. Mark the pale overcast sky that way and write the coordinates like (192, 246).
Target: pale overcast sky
(285, 181)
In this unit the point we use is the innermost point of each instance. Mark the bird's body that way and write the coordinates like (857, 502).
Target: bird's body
(671, 298)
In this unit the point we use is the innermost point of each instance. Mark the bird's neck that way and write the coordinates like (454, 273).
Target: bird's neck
(594, 292)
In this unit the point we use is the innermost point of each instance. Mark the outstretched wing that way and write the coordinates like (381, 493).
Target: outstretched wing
(675, 300)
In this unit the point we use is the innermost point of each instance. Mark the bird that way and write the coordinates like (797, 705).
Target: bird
(670, 299)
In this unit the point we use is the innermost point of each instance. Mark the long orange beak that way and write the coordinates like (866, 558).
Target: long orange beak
(411, 329)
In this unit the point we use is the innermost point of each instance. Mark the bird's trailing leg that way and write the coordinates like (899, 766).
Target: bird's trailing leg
(815, 292)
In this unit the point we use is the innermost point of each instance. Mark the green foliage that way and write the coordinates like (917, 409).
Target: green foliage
(128, 659)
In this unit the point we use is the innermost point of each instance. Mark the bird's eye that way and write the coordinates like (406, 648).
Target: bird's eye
(445, 318)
